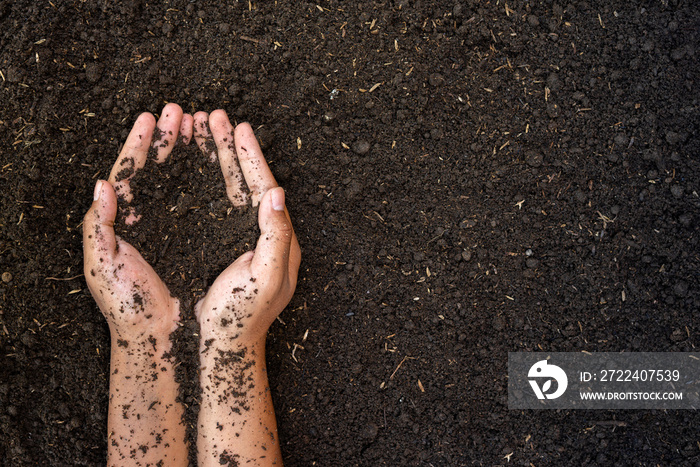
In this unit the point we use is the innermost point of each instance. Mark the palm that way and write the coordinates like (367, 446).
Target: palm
(130, 294)
(134, 300)
(233, 303)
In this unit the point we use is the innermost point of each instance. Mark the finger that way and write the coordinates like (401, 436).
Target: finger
(186, 129)
(202, 135)
(133, 155)
(99, 240)
(271, 259)
(165, 135)
(222, 132)
(253, 165)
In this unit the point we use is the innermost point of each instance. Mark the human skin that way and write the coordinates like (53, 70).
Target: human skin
(236, 423)
(145, 421)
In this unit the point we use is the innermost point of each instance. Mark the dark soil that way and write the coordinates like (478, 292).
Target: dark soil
(466, 179)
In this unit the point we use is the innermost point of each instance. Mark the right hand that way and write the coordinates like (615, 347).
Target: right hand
(249, 295)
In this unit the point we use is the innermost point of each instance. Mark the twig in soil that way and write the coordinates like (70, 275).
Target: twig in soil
(168, 239)
(397, 368)
(296, 346)
(436, 237)
(250, 39)
(63, 279)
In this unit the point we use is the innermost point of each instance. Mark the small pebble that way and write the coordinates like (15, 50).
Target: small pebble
(14, 75)
(361, 147)
(621, 140)
(6, 277)
(680, 289)
(678, 53)
(553, 82)
(436, 79)
(677, 191)
(167, 28)
(678, 335)
(675, 138)
(93, 72)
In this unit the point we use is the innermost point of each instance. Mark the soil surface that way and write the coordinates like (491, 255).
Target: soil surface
(466, 178)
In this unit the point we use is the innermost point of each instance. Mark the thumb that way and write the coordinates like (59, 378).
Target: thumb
(272, 251)
(98, 226)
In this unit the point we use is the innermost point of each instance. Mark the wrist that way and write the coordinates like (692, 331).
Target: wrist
(250, 349)
(145, 344)
(144, 324)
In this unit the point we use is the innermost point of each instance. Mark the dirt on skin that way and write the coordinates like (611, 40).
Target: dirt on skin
(189, 231)
(466, 178)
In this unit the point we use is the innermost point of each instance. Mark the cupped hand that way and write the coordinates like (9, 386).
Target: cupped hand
(246, 298)
(132, 297)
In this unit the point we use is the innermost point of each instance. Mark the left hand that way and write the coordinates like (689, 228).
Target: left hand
(131, 296)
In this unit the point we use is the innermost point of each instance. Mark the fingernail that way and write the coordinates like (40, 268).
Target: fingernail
(277, 199)
(98, 190)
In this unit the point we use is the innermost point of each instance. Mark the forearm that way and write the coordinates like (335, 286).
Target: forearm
(145, 421)
(236, 418)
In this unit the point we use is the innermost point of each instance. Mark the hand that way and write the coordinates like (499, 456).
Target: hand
(247, 297)
(236, 416)
(132, 297)
(145, 417)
